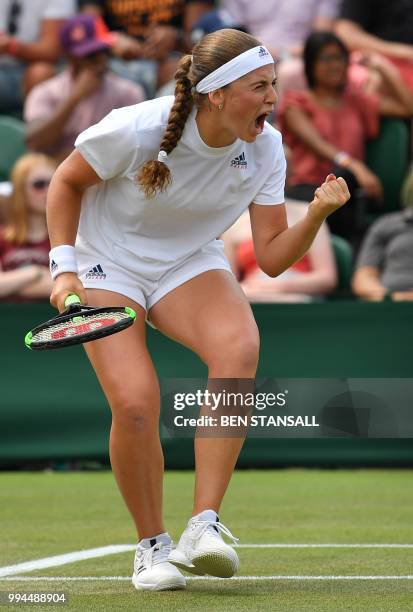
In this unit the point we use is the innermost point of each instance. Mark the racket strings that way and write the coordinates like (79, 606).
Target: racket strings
(80, 324)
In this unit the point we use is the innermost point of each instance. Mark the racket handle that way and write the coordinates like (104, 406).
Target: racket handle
(72, 298)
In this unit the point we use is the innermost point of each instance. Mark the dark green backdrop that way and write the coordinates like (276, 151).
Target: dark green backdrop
(51, 407)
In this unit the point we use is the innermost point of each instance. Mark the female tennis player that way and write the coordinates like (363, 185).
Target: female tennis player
(154, 186)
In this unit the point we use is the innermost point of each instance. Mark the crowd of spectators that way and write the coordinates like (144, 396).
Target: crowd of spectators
(341, 66)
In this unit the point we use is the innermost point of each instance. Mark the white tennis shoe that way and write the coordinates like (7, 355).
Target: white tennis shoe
(152, 571)
(201, 549)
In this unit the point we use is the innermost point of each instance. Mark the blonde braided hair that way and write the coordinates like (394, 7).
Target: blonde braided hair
(210, 53)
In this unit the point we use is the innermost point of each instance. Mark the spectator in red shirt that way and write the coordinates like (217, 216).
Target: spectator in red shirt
(326, 126)
(24, 241)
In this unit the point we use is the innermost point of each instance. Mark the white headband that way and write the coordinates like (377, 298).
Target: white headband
(235, 69)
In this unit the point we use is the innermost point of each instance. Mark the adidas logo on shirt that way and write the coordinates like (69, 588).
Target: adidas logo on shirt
(96, 273)
(239, 162)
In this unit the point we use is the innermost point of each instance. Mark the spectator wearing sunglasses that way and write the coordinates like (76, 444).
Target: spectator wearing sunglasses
(326, 127)
(29, 46)
(24, 241)
(57, 110)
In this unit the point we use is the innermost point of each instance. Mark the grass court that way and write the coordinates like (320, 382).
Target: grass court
(358, 523)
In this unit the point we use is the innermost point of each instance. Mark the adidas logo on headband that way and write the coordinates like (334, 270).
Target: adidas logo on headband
(262, 52)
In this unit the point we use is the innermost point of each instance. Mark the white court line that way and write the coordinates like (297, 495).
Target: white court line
(234, 578)
(79, 555)
(323, 546)
(103, 551)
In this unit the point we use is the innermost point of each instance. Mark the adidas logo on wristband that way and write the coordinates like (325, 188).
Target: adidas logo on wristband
(62, 259)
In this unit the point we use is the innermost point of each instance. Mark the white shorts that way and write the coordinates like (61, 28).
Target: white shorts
(102, 273)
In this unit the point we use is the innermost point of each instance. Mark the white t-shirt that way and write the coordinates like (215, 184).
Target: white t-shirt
(211, 187)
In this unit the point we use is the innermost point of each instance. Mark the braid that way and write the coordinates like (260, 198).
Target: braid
(154, 175)
(210, 53)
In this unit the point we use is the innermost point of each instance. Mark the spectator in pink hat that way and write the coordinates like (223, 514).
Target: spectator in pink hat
(57, 110)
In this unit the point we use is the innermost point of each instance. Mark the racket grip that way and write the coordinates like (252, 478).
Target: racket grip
(72, 298)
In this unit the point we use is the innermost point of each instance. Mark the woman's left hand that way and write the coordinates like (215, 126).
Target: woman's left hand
(330, 196)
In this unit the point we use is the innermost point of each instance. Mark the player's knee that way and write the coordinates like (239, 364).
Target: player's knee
(138, 414)
(237, 353)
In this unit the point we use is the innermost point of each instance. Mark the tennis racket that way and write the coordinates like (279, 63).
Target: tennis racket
(79, 324)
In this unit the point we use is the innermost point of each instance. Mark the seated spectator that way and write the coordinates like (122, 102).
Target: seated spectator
(148, 35)
(24, 242)
(312, 277)
(29, 46)
(384, 266)
(382, 27)
(283, 28)
(57, 110)
(327, 126)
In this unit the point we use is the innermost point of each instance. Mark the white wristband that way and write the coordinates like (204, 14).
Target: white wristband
(62, 259)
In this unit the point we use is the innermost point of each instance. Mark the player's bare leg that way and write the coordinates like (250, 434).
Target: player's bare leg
(128, 379)
(126, 373)
(210, 315)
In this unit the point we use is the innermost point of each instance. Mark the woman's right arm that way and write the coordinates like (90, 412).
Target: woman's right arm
(300, 125)
(64, 199)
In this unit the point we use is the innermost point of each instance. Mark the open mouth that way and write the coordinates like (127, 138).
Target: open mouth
(260, 120)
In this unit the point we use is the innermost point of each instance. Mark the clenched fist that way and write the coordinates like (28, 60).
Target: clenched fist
(330, 196)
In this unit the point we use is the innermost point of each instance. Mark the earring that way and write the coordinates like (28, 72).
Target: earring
(220, 106)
